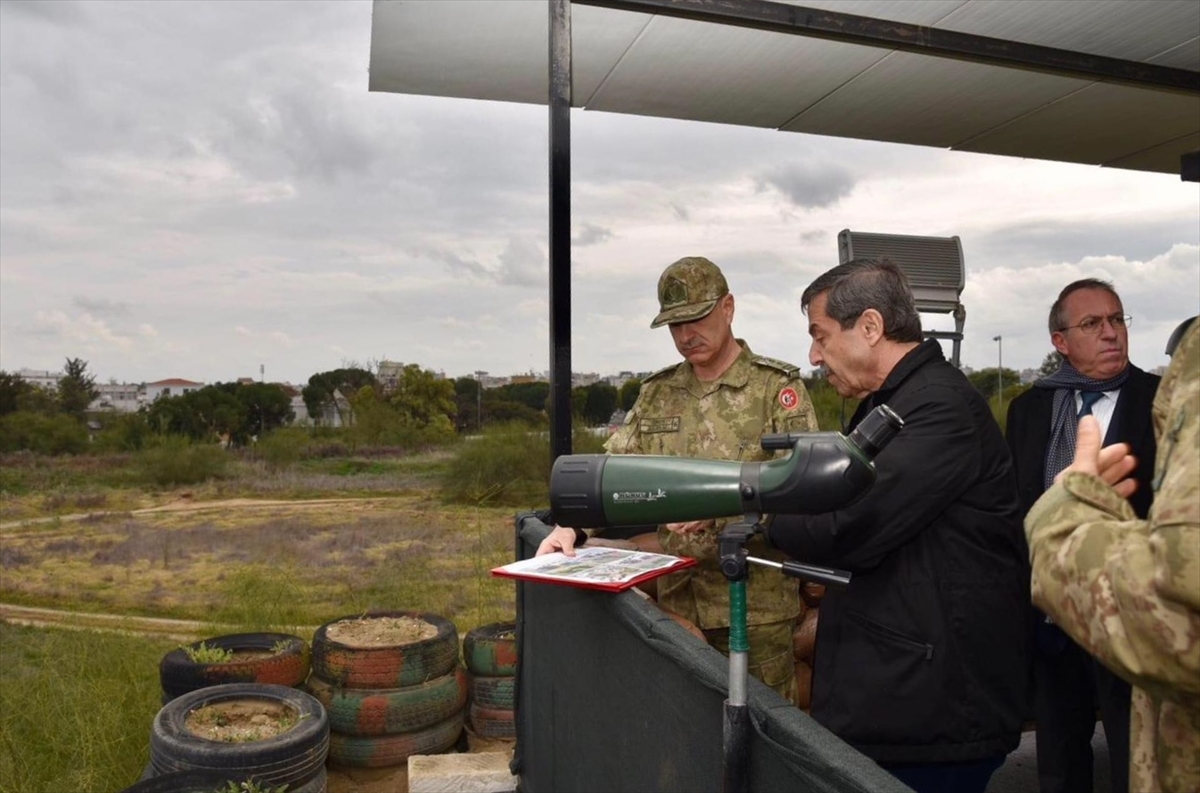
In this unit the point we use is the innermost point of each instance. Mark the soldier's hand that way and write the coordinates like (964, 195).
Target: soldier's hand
(1113, 464)
(562, 538)
(690, 527)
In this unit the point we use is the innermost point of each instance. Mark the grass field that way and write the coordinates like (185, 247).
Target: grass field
(262, 548)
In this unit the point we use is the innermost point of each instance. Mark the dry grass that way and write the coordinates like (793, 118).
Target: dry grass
(314, 562)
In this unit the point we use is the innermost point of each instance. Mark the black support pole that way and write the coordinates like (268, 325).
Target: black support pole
(560, 228)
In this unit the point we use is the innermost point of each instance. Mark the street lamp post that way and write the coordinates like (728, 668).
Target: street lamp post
(999, 370)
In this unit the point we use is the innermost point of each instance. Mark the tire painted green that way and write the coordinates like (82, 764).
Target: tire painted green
(381, 751)
(373, 711)
(393, 666)
(493, 693)
(491, 650)
(488, 723)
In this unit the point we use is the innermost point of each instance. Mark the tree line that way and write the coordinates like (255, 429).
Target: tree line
(414, 408)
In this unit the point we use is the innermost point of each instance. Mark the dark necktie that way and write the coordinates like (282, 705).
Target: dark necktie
(1089, 398)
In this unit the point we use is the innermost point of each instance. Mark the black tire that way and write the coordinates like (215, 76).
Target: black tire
(493, 693)
(184, 782)
(291, 758)
(381, 751)
(491, 650)
(384, 667)
(376, 711)
(179, 674)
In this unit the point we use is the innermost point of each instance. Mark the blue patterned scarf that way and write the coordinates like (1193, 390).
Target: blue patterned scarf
(1060, 452)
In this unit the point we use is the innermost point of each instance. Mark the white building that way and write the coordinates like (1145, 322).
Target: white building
(171, 387)
(121, 397)
(42, 378)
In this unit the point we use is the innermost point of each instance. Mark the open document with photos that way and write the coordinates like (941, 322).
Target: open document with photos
(610, 569)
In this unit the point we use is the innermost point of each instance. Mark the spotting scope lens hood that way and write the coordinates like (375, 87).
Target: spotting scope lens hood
(825, 471)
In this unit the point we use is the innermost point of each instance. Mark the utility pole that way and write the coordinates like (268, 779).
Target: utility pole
(999, 370)
(479, 399)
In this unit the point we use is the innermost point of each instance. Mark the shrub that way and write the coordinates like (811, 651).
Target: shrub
(42, 433)
(172, 460)
(121, 433)
(285, 446)
(509, 464)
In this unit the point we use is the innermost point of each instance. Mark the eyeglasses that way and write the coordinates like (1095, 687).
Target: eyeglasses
(1092, 325)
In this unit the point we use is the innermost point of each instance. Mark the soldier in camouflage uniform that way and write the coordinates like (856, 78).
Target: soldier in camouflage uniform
(1128, 590)
(715, 405)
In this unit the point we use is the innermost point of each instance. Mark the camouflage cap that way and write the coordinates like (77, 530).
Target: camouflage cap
(688, 290)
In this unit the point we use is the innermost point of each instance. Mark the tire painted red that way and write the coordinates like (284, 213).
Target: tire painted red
(287, 665)
(391, 666)
(488, 723)
(374, 711)
(381, 751)
(491, 650)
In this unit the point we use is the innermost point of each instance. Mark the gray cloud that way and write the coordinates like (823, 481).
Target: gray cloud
(61, 12)
(249, 179)
(810, 185)
(523, 263)
(102, 307)
(591, 234)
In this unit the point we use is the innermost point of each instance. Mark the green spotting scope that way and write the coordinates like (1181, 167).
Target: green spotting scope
(825, 471)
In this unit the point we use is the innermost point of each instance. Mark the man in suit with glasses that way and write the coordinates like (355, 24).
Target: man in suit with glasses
(1090, 330)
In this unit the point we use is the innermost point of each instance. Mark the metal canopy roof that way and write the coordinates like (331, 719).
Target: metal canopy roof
(658, 64)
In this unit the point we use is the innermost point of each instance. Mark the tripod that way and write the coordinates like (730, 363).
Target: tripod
(734, 559)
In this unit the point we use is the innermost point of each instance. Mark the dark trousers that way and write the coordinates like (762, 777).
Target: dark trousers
(1069, 686)
(947, 777)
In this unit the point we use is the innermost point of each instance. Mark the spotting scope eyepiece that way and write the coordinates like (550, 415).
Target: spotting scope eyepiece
(825, 471)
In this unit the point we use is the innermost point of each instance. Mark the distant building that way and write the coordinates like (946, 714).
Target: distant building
(171, 387)
(389, 375)
(42, 378)
(119, 397)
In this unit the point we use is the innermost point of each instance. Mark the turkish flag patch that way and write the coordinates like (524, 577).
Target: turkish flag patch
(788, 398)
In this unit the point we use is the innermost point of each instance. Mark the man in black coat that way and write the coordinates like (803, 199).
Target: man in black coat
(1089, 329)
(921, 662)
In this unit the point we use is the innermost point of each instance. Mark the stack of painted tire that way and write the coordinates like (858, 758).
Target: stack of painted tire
(275, 658)
(275, 735)
(490, 652)
(804, 640)
(388, 699)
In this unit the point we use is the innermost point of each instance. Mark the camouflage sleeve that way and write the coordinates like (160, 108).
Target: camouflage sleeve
(1126, 589)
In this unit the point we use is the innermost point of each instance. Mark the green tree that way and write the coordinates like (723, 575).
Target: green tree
(987, 382)
(12, 389)
(1050, 364)
(425, 402)
(77, 389)
(264, 407)
(629, 393)
(319, 393)
(594, 403)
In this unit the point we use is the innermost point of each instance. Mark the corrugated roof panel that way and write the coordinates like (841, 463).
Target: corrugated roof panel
(697, 70)
(1100, 124)
(916, 99)
(658, 66)
(490, 49)
(1164, 157)
(1135, 31)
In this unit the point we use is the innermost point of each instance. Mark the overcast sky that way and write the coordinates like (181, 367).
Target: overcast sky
(195, 190)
